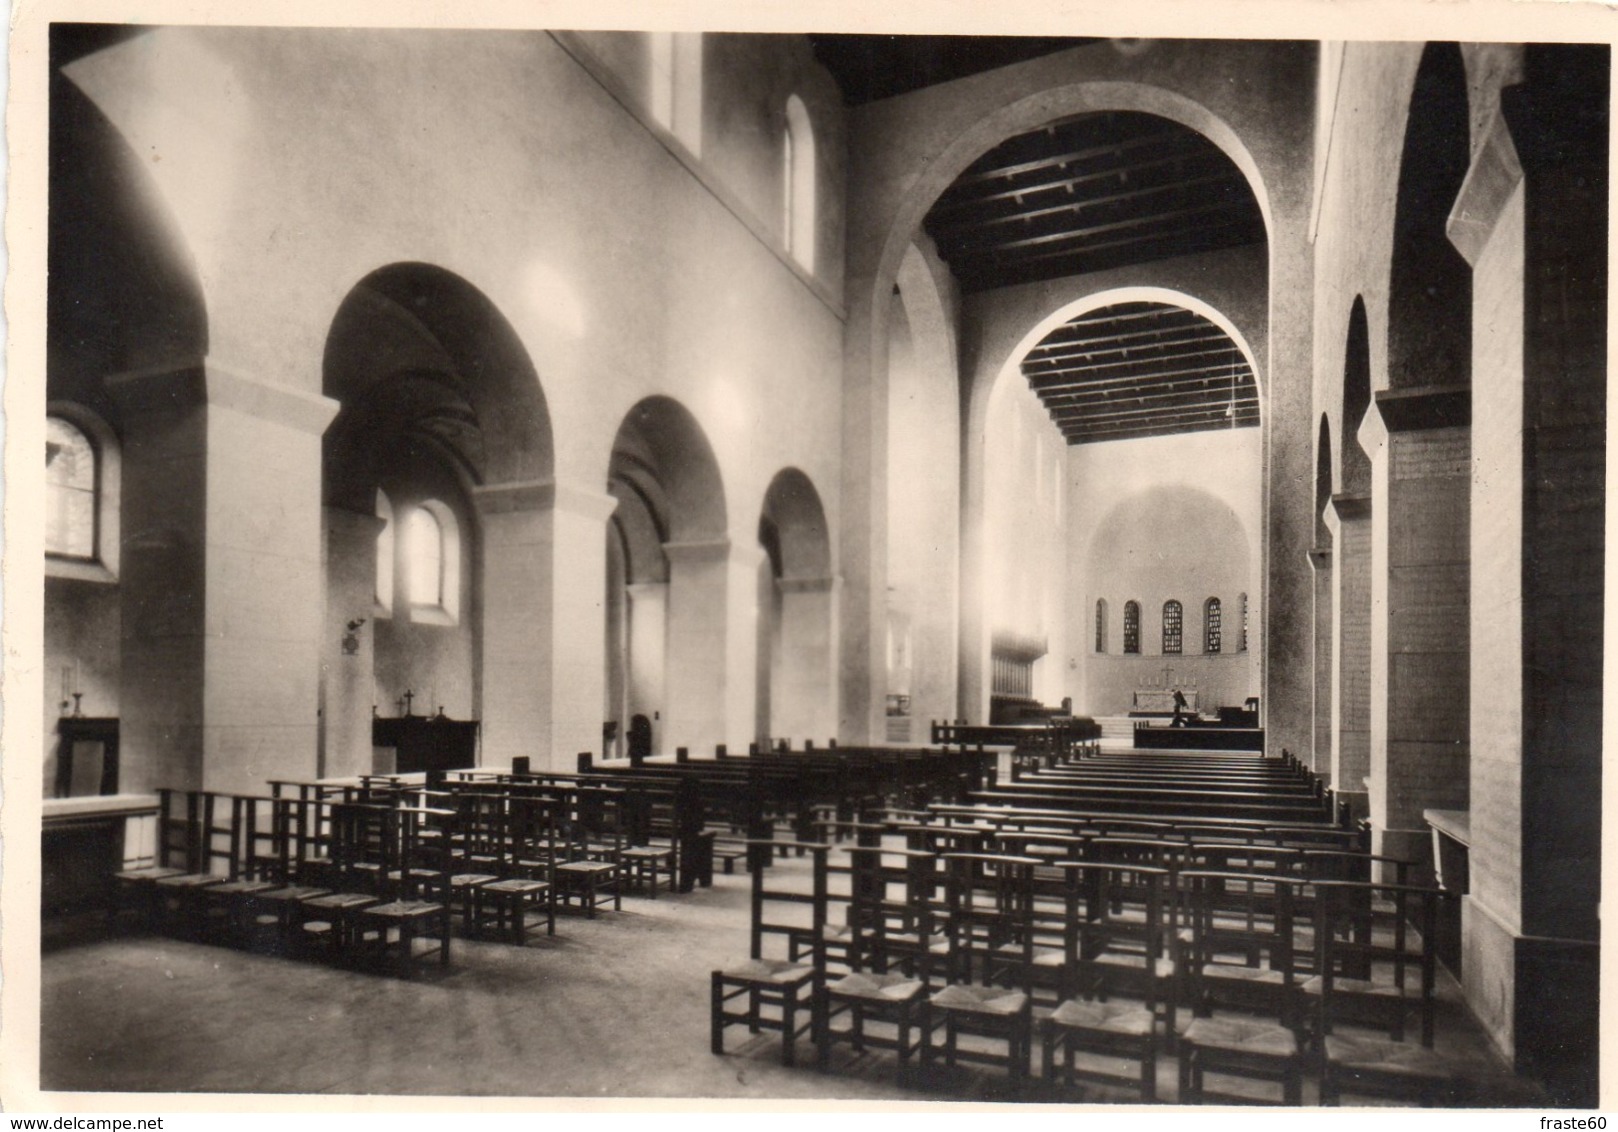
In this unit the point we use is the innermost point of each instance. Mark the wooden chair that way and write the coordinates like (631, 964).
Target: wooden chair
(251, 868)
(1091, 1018)
(1266, 1047)
(364, 847)
(390, 927)
(591, 850)
(989, 905)
(890, 951)
(526, 866)
(777, 993)
(1375, 956)
(177, 853)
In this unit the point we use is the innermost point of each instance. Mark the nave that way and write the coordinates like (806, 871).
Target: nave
(471, 485)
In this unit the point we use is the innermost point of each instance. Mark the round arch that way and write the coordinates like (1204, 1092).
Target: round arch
(413, 317)
(980, 395)
(1035, 110)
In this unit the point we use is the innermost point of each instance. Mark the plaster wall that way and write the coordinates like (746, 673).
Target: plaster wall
(1159, 518)
(573, 214)
(81, 655)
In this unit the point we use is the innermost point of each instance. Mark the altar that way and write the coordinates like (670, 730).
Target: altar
(416, 744)
(1160, 701)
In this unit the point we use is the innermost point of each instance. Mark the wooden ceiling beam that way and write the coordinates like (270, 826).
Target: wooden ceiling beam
(1149, 400)
(1131, 342)
(974, 176)
(944, 230)
(1134, 374)
(1173, 218)
(1132, 432)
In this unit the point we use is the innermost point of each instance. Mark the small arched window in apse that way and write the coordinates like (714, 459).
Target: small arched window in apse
(1212, 638)
(71, 485)
(432, 552)
(798, 184)
(1132, 628)
(1173, 618)
(1101, 624)
(384, 555)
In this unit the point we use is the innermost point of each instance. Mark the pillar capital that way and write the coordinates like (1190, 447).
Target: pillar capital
(806, 585)
(1489, 186)
(542, 495)
(210, 383)
(1424, 407)
(1348, 508)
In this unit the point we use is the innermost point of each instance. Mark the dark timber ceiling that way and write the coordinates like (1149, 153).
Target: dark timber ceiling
(1091, 193)
(1141, 369)
(870, 67)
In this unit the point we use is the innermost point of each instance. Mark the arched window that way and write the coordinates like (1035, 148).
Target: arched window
(71, 484)
(1210, 625)
(384, 555)
(1173, 616)
(675, 85)
(1244, 624)
(1101, 624)
(432, 554)
(798, 184)
(1132, 627)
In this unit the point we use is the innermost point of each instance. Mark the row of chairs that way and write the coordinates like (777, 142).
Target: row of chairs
(369, 874)
(1095, 957)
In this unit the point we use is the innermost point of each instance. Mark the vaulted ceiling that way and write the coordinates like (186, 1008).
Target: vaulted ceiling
(1141, 369)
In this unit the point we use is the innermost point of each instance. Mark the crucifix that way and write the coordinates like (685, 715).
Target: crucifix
(1168, 676)
(407, 700)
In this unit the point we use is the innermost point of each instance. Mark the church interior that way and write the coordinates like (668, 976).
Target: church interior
(916, 567)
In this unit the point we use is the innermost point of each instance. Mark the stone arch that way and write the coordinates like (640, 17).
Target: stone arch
(1035, 110)
(1355, 476)
(1430, 286)
(686, 653)
(796, 697)
(1323, 492)
(974, 640)
(865, 360)
(440, 406)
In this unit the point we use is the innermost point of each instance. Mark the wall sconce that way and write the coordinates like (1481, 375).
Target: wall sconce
(351, 640)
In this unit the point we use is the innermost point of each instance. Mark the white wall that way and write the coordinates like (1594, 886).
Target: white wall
(1159, 518)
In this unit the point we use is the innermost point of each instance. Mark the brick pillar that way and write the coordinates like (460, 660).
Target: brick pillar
(1348, 517)
(1420, 669)
(222, 580)
(1320, 759)
(1532, 220)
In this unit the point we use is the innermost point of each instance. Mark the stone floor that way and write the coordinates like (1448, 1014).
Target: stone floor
(615, 1007)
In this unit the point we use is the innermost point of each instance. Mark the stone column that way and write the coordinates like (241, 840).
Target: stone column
(804, 702)
(648, 650)
(544, 634)
(1348, 517)
(349, 678)
(1285, 623)
(222, 585)
(1320, 759)
(1420, 438)
(712, 643)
